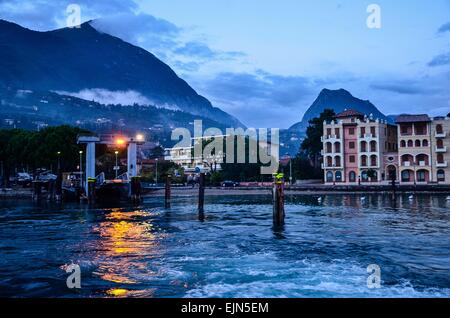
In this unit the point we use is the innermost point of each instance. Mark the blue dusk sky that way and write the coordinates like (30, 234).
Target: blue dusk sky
(265, 61)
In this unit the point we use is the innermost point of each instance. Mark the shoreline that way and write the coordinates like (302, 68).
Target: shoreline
(26, 194)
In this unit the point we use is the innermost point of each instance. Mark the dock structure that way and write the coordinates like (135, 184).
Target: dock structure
(90, 179)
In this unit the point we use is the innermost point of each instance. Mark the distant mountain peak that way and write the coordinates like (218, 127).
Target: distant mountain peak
(339, 100)
(82, 58)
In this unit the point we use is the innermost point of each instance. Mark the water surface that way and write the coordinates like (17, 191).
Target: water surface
(148, 251)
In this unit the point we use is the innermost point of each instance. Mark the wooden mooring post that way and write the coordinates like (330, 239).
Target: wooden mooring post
(37, 190)
(278, 200)
(201, 197)
(167, 192)
(91, 189)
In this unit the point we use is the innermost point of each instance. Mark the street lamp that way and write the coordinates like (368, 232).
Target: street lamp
(117, 165)
(59, 160)
(81, 167)
(156, 171)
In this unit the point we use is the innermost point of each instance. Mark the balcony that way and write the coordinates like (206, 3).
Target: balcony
(441, 164)
(441, 149)
(367, 136)
(407, 164)
(334, 166)
(441, 134)
(330, 137)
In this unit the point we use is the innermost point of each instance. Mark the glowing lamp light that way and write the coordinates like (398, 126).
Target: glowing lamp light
(140, 137)
(120, 141)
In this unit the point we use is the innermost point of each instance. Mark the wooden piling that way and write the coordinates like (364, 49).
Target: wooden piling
(91, 189)
(201, 196)
(167, 192)
(278, 200)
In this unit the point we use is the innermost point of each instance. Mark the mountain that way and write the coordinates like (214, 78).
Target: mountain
(339, 100)
(71, 60)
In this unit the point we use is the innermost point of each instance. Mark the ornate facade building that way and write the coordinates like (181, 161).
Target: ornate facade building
(362, 150)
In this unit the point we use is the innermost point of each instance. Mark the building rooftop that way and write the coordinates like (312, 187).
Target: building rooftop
(349, 113)
(422, 118)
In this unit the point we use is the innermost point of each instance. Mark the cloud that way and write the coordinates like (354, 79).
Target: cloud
(203, 51)
(403, 87)
(444, 28)
(260, 97)
(156, 35)
(46, 15)
(440, 60)
(106, 97)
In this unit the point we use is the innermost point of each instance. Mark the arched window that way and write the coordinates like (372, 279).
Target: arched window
(373, 161)
(440, 143)
(352, 176)
(329, 161)
(337, 161)
(439, 129)
(364, 161)
(425, 143)
(422, 160)
(363, 146)
(403, 144)
(417, 143)
(440, 158)
(329, 176)
(338, 176)
(329, 147)
(410, 143)
(441, 175)
(373, 146)
(406, 176)
(337, 147)
(422, 175)
(364, 176)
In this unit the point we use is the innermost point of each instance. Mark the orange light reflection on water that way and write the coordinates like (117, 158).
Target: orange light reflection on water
(128, 245)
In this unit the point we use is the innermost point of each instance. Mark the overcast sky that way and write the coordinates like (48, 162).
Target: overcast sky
(265, 61)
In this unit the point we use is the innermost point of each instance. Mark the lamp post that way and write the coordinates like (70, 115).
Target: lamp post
(81, 167)
(59, 160)
(290, 171)
(156, 171)
(116, 168)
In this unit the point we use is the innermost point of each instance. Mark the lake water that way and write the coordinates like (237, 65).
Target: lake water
(147, 251)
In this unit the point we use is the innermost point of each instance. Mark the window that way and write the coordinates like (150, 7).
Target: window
(441, 176)
(363, 146)
(421, 176)
(329, 176)
(337, 132)
(439, 129)
(352, 176)
(351, 131)
(410, 143)
(364, 161)
(440, 143)
(406, 176)
(364, 176)
(373, 146)
(417, 143)
(338, 176)
(328, 131)
(363, 131)
(351, 145)
(352, 159)
(403, 144)
(440, 158)
(372, 131)
(425, 143)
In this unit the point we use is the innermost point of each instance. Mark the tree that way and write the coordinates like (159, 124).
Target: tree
(312, 144)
